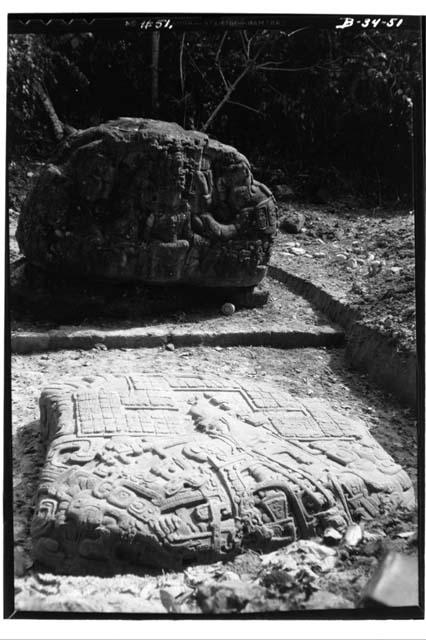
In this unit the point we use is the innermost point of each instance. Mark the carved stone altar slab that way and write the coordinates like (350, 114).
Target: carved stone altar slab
(144, 200)
(166, 469)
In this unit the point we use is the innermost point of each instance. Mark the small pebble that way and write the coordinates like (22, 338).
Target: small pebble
(353, 535)
(298, 251)
(170, 346)
(100, 346)
(228, 309)
(375, 266)
(332, 536)
(341, 257)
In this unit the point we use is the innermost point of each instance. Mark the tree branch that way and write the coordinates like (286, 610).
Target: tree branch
(245, 43)
(225, 98)
(222, 40)
(181, 72)
(56, 124)
(197, 68)
(293, 33)
(224, 80)
(263, 67)
(245, 106)
(218, 62)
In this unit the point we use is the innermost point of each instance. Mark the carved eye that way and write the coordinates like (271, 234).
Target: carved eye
(103, 489)
(121, 497)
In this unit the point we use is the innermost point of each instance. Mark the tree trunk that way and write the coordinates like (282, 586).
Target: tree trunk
(155, 52)
(56, 124)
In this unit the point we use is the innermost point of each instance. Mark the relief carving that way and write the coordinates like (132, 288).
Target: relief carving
(204, 468)
(144, 200)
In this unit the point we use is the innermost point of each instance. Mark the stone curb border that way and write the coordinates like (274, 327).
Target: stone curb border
(366, 349)
(54, 340)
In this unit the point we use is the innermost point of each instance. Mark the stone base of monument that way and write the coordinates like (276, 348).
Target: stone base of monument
(162, 470)
(40, 295)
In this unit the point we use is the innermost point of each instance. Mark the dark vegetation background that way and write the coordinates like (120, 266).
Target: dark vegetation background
(314, 109)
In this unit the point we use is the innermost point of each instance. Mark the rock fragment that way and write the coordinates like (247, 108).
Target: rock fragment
(395, 582)
(332, 536)
(298, 251)
(353, 535)
(228, 309)
(292, 222)
(341, 257)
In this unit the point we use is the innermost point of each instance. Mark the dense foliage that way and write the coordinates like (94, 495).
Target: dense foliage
(310, 107)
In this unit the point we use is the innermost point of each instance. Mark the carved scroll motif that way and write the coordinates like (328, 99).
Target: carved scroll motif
(160, 470)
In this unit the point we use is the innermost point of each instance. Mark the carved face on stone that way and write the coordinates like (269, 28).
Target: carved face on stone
(240, 197)
(129, 184)
(95, 176)
(238, 174)
(178, 169)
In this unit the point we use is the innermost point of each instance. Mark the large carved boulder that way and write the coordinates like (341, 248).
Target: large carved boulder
(144, 200)
(165, 469)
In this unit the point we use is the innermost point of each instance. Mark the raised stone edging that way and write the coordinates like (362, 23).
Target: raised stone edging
(140, 337)
(367, 349)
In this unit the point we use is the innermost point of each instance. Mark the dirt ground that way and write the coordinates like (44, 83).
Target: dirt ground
(365, 256)
(284, 309)
(305, 575)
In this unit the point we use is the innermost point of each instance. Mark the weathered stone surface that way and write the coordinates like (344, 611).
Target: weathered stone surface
(144, 200)
(153, 469)
(292, 222)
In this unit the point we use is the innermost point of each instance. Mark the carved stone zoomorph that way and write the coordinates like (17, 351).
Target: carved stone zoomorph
(144, 200)
(166, 469)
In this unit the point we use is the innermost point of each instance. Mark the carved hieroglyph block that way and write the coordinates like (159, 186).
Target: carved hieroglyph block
(163, 469)
(144, 200)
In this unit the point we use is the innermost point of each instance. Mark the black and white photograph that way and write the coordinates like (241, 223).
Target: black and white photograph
(214, 361)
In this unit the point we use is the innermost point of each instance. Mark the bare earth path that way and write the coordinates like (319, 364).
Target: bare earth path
(365, 257)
